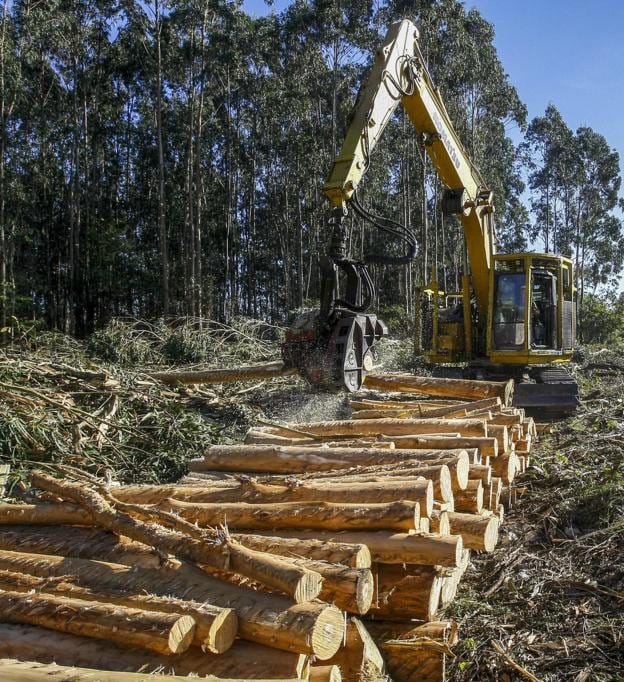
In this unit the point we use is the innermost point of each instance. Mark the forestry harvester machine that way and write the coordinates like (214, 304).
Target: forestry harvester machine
(515, 313)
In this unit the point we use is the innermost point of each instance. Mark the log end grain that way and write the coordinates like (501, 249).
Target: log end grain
(365, 591)
(181, 634)
(328, 633)
(325, 673)
(490, 536)
(362, 558)
(308, 587)
(222, 632)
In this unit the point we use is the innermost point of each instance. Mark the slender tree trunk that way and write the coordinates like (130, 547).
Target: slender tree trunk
(162, 226)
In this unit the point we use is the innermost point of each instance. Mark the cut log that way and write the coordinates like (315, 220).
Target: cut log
(439, 523)
(215, 628)
(399, 413)
(325, 673)
(464, 409)
(243, 661)
(83, 543)
(523, 445)
(44, 515)
(257, 437)
(406, 593)
(505, 466)
(359, 659)
(396, 548)
(407, 411)
(406, 401)
(500, 514)
(350, 589)
(164, 633)
(492, 492)
(402, 515)
(435, 386)
(33, 671)
(261, 493)
(348, 554)
(482, 472)
(471, 499)
(415, 655)
(351, 443)
(530, 427)
(487, 446)
(438, 474)
(275, 572)
(378, 427)
(477, 532)
(507, 419)
(311, 628)
(288, 460)
(268, 370)
(501, 433)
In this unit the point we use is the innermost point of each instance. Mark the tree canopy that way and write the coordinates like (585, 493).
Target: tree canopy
(167, 158)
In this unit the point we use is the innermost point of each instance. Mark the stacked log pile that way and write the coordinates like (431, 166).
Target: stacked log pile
(319, 551)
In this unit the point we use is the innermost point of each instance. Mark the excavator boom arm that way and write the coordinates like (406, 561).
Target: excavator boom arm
(400, 75)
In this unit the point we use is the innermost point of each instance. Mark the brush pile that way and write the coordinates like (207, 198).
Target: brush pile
(337, 545)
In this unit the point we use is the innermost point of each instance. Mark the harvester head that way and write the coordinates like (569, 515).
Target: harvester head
(335, 354)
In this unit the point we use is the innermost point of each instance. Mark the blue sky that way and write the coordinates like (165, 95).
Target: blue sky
(568, 52)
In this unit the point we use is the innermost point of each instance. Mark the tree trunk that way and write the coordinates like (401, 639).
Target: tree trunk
(286, 460)
(162, 226)
(395, 548)
(455, 388)
(258, 493)
(80, 543)
(400, 515)
(348, 554)
(478, 532)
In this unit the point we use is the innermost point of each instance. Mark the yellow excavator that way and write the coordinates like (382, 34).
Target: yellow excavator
(515, 313)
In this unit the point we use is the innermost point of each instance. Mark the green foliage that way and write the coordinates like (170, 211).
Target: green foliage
(602, 321)
(575, 179)
(400, 323)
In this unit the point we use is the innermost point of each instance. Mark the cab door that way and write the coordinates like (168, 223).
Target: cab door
(543, 318)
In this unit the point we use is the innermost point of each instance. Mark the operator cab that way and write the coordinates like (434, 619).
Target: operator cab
(531, 308)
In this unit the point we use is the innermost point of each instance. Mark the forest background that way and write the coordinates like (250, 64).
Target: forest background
(166, 159)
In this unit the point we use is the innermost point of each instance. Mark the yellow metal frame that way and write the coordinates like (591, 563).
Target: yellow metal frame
(529, 355)
(399, 75)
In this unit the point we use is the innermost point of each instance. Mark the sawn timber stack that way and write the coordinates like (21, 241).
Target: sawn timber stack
(254, 558)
